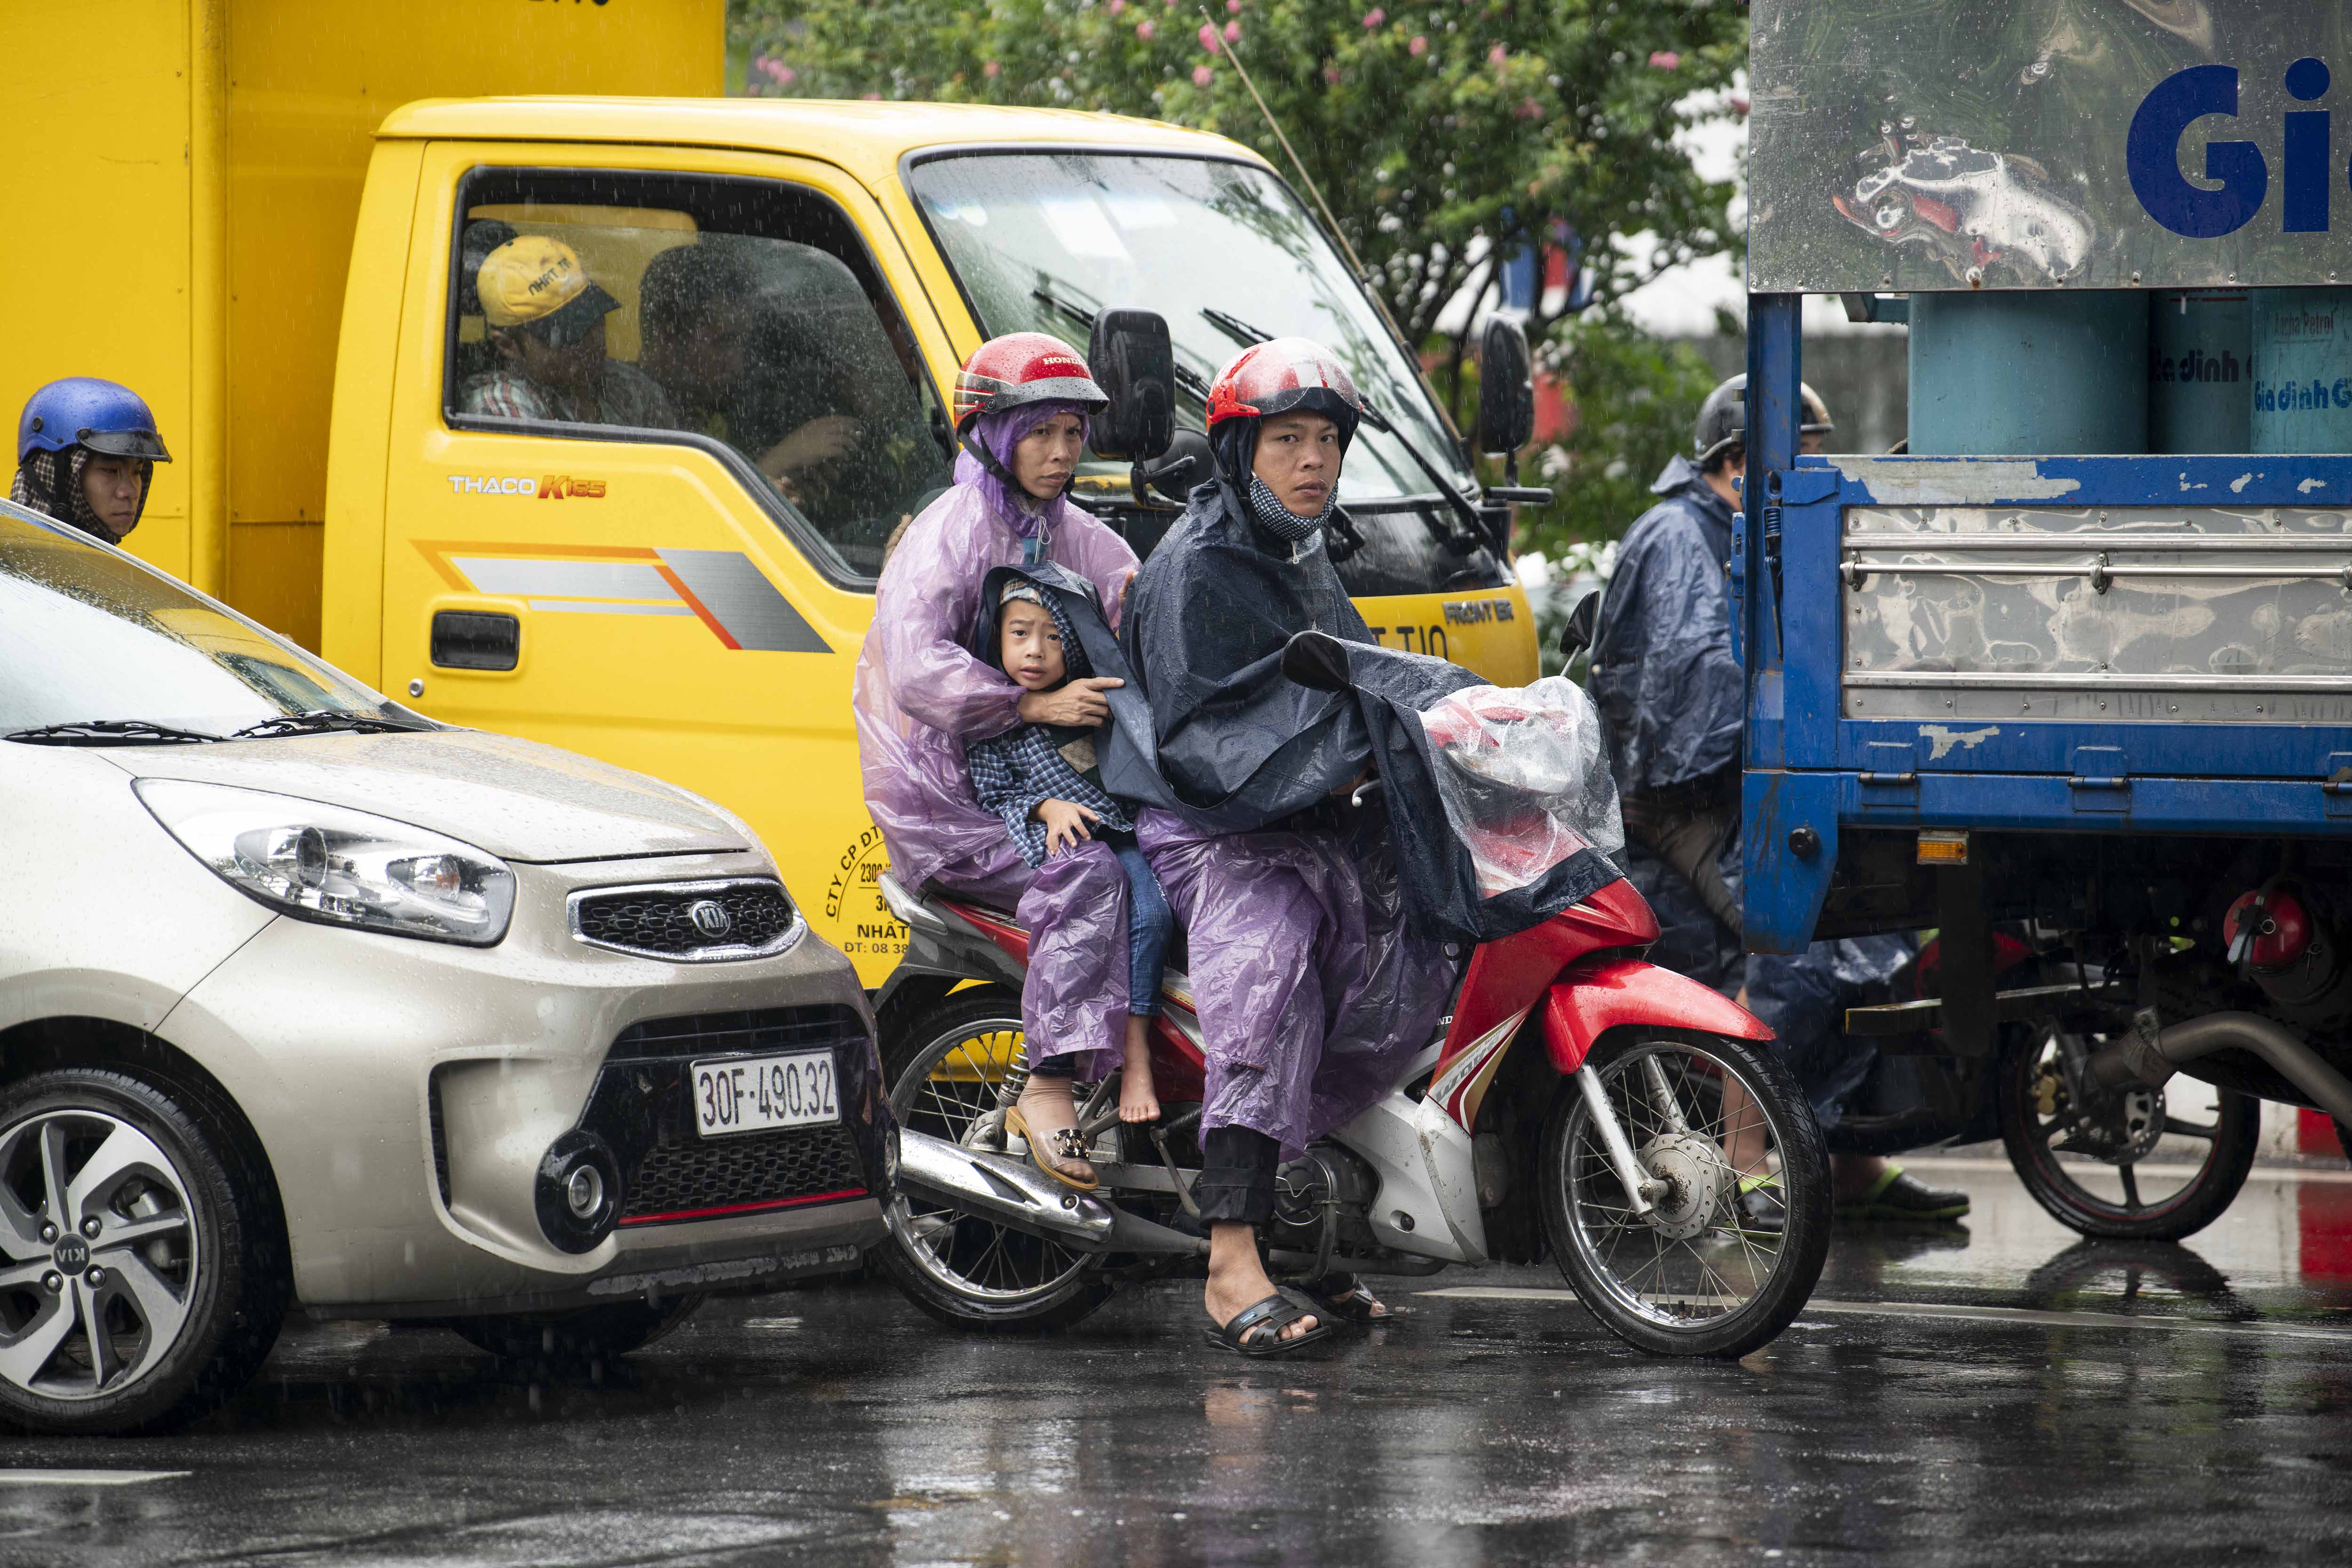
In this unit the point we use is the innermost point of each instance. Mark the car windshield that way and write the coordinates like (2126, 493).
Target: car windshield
(1040, 241)
(90, 636)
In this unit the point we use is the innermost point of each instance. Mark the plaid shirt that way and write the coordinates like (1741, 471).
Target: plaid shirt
(1014, 772)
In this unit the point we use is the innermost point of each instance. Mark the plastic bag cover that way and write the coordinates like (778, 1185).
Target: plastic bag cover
(1525, 782)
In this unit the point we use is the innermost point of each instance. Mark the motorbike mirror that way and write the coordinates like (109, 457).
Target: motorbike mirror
(1317, 660)
(1174, 472)
(1131, 360)
(1582, 622)
(1507, 393)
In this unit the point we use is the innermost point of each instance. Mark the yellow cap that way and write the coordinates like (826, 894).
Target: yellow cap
(530, 277)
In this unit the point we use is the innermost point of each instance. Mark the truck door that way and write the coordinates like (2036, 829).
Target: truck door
(657, 427)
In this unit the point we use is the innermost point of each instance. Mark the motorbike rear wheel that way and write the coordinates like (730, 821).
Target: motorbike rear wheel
(1697, 1277)
(2191, 1187)
(945, 1070)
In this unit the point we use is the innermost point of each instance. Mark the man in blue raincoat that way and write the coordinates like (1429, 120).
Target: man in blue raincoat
(1673, 698)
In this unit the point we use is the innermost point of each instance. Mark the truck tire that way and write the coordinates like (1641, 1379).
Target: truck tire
(2231, 1139)
(943, 1068)
(143, 1270)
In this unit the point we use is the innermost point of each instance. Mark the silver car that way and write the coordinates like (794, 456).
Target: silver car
(306, 999)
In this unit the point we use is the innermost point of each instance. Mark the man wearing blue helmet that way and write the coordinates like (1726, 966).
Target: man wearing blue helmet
(86, 454)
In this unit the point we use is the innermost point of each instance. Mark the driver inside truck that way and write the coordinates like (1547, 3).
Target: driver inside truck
(545, 318)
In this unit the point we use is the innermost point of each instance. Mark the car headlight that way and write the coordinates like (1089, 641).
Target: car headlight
(337, 866)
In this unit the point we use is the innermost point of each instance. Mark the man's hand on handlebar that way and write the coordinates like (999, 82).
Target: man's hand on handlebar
(1065, 824)
(1077, 704)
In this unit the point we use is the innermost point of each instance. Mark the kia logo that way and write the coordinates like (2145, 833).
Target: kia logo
(710, 918)
(72, 1254)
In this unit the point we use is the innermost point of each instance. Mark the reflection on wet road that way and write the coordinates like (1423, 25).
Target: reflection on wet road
(2002, 1394)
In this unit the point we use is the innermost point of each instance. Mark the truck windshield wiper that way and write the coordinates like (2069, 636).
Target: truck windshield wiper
(1233, 327)
(108, 731)
(319, 721)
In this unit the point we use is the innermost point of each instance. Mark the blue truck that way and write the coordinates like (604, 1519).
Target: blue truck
(2068, 676)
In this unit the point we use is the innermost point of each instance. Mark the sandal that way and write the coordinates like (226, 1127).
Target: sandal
(1347, 1297)
(1066, 1144)
(1272, 1315)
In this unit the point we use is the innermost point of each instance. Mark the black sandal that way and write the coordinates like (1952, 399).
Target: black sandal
(1274, 1314)
(1345, 1295)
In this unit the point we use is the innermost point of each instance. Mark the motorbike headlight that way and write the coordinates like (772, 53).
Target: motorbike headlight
(337, 866)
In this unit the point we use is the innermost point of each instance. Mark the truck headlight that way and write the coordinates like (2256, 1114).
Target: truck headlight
(337, 866)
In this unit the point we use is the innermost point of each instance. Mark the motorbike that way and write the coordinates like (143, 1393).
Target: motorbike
(1575, 1100)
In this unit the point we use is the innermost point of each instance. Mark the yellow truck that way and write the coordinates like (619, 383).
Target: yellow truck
(663, 553)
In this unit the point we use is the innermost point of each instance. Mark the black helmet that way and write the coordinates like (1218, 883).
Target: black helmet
(1723, 418)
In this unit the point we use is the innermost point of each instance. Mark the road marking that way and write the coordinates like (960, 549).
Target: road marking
(2020, 1315)
(2259, 1173)
(86, 1477)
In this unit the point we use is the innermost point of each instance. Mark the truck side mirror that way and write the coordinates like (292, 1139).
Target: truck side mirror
(1507, 392)
(1132, 360)
(1582, 622)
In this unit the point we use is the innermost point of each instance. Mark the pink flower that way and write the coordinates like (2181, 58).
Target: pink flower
(1202, 76)
(1739, 104)
(991, 71)
(1529, 110)
(1375, 17)
(782, 74)
(1235, 6)
(1331, 75)
(1665, 60)
(871, 96)
(1419, 46)
(1146, 31)
(1209, 38)
(1496, 55)
(1117, 6)
(1232, 32)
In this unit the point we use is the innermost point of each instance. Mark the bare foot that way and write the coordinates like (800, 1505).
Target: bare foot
(1137, 1100)
(1045, 1107)
(1237, 1280)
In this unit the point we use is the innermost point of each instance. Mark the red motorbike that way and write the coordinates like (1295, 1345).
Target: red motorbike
(1576, 1099)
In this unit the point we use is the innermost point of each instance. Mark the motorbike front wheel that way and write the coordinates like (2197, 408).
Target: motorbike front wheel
(1711, 1120)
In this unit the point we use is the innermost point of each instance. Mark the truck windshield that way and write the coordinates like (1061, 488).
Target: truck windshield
(99, 650)
(1040, 241)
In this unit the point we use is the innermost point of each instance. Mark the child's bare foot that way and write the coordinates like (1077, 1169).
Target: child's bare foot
(1138, 1100)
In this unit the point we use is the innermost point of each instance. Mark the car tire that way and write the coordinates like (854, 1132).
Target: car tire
(583, 1334)
(186, 1278)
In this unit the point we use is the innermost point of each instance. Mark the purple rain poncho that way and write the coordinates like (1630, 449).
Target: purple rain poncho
(919, 695)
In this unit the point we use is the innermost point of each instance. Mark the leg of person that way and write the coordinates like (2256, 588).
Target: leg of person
(1254, 925)
(1073, 1000)
(1149, 923)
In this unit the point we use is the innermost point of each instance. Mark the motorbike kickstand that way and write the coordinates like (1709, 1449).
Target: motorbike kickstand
(1168, 1161)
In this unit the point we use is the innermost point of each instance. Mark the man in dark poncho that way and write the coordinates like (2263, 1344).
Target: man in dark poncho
(1311, 992)
(1675, 704)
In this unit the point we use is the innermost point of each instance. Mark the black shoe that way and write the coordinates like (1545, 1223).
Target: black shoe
(1896, 1197)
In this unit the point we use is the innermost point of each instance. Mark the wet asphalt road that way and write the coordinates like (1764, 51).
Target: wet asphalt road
(2001, 1395)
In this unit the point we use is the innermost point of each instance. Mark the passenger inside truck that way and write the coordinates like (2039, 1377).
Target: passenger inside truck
(737, 316)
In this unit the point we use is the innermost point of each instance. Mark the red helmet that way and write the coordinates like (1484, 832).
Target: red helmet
(1022, 367)
(1286, 375)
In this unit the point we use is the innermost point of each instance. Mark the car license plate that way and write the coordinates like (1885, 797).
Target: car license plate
(759, 1094)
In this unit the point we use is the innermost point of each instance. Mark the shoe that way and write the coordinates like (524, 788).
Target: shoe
(1896, 1197)
(1760, 1210)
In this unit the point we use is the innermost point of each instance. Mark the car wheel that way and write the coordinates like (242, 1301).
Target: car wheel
(586, 1333)
(144, 1271)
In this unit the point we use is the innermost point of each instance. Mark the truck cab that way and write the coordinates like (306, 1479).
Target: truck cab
(664, 555)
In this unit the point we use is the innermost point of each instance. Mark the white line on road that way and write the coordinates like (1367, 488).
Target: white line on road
(2020, 1315)
(86, 1477)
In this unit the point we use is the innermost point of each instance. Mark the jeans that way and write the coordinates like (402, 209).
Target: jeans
(1149, 923)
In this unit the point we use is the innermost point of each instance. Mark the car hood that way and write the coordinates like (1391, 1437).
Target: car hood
(517, 799)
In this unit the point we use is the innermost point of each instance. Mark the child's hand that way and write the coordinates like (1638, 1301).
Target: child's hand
(1065, 824)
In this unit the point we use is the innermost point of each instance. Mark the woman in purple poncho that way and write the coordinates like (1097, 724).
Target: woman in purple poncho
(921, 694)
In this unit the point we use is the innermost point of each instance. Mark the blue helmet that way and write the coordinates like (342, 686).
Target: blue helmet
(84, 411)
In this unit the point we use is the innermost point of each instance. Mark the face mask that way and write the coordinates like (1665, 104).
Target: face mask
(1279, 520)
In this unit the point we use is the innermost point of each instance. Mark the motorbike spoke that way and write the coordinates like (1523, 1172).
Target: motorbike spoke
(2207, 1131)
(2131, 1186)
